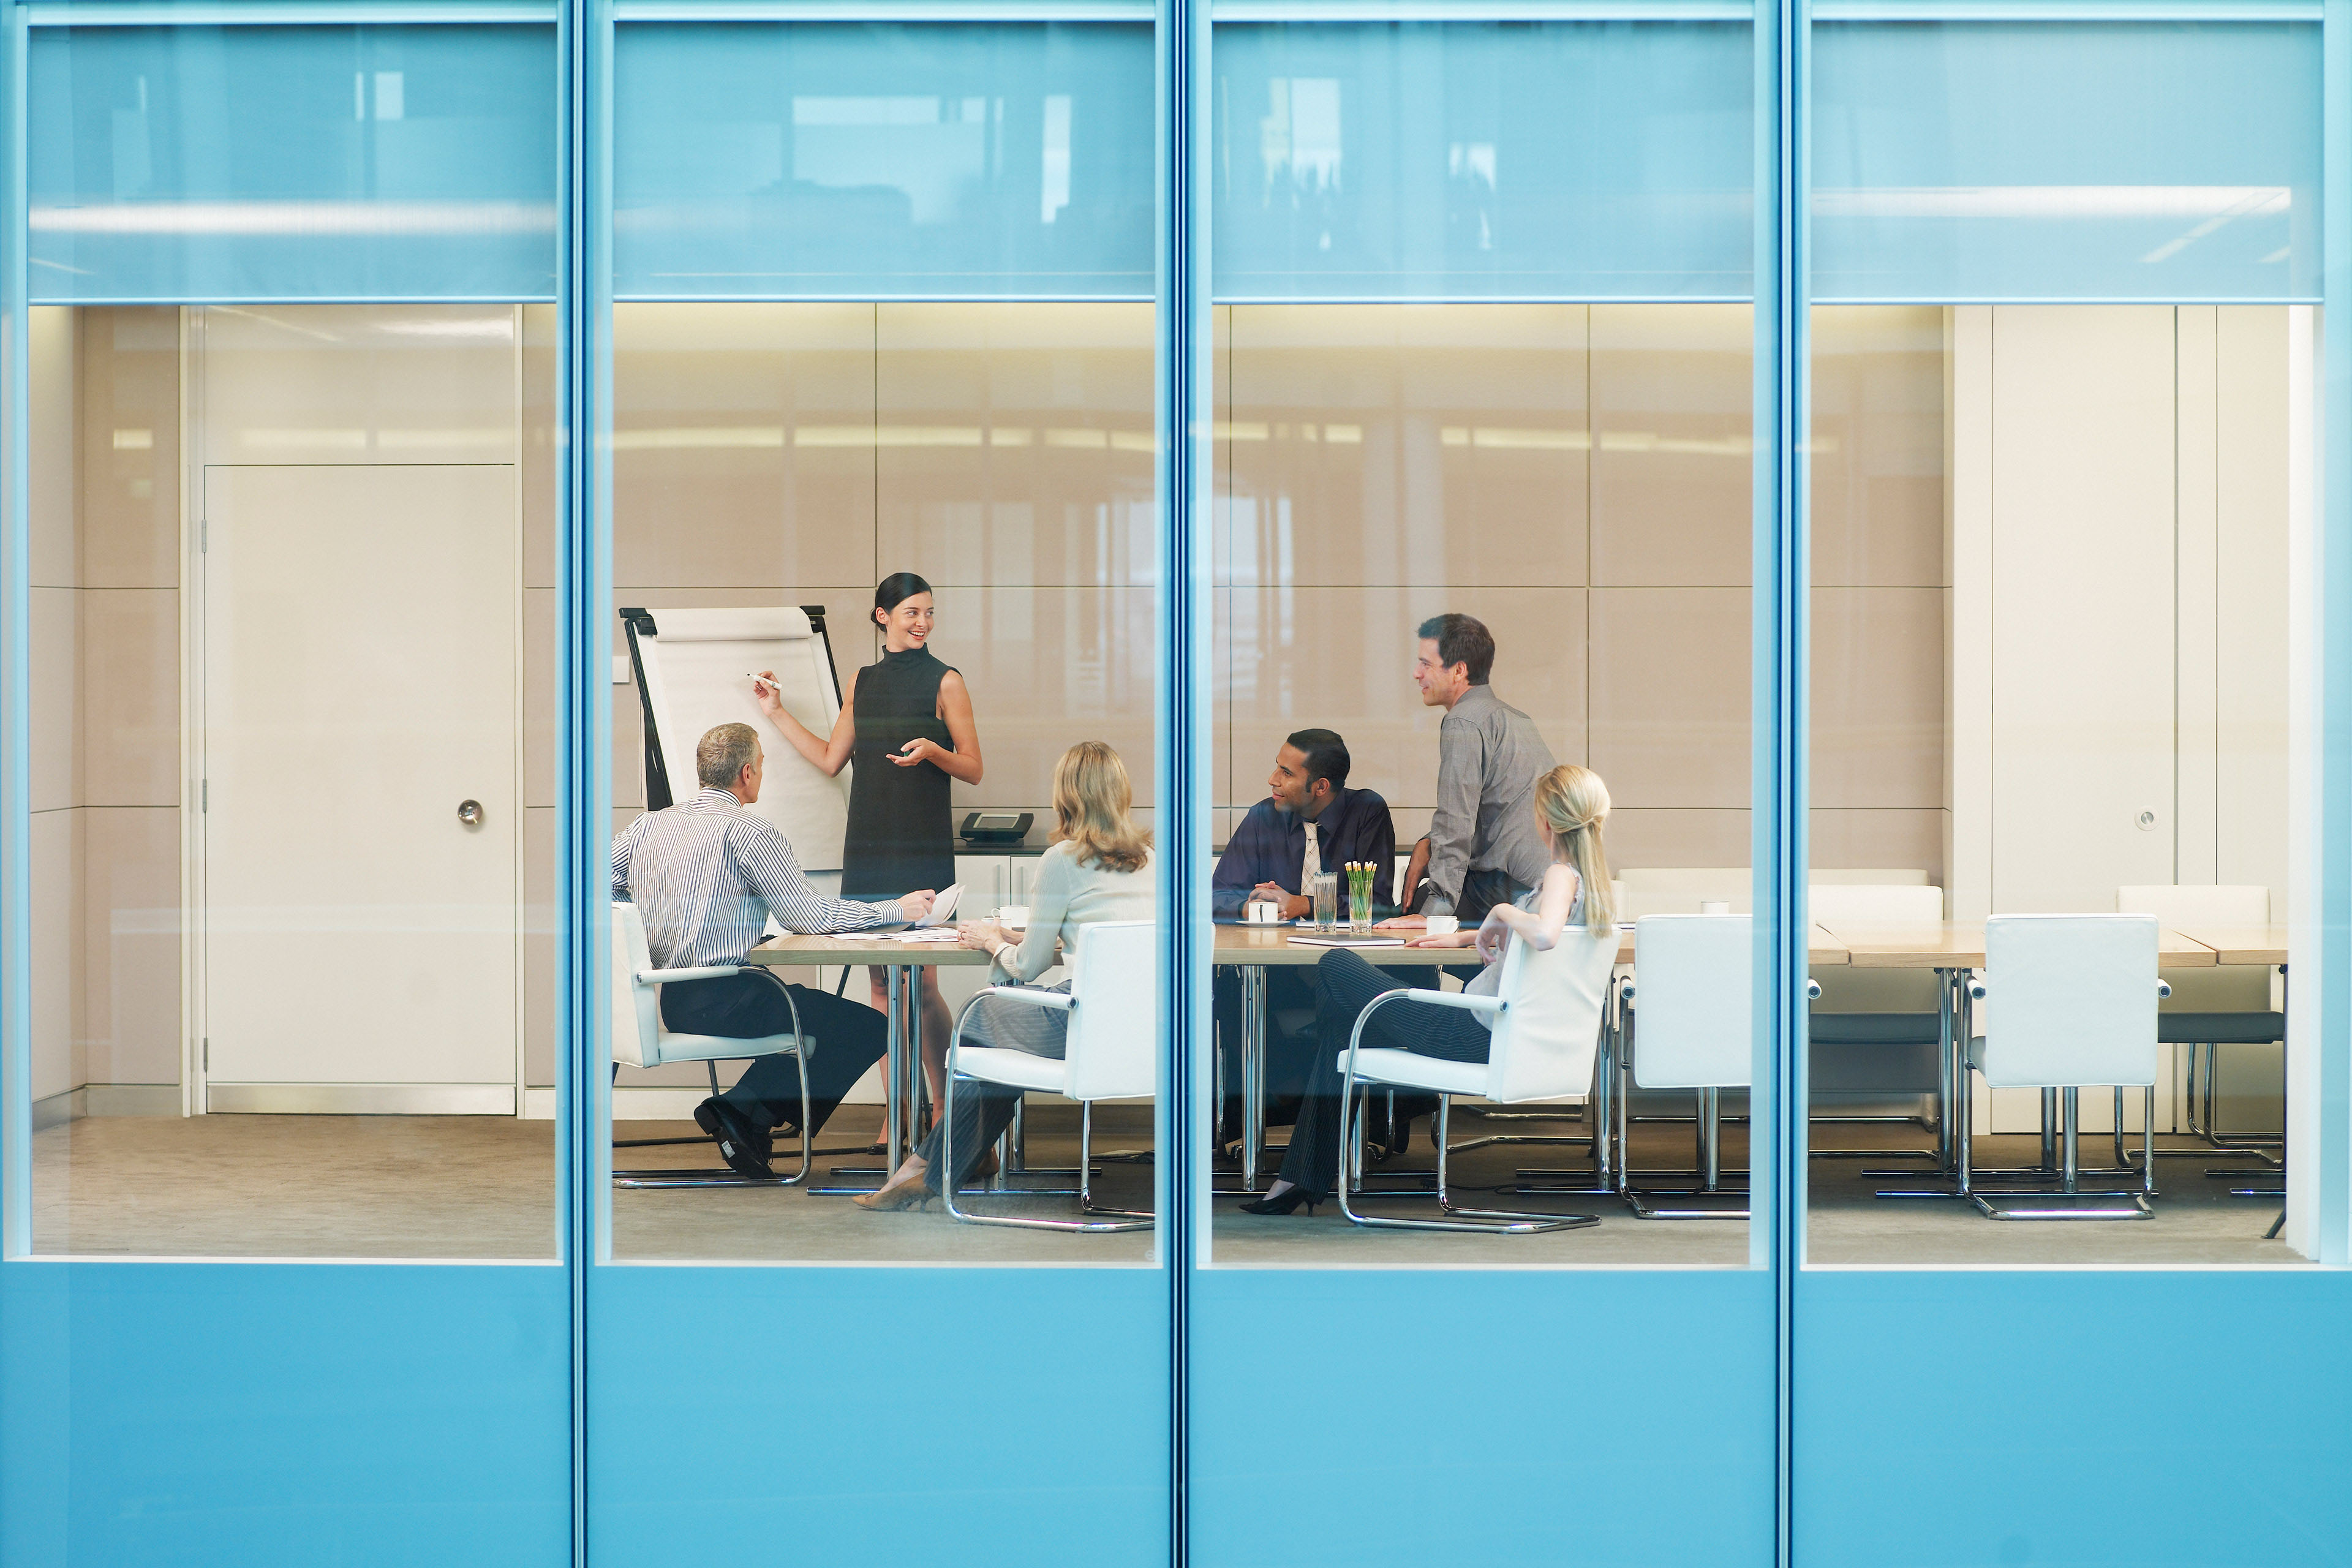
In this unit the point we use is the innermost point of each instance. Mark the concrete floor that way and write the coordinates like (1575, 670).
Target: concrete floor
(470, 1187)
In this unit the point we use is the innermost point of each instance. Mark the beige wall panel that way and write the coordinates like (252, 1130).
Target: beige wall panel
(541, 457)
(1397, 445)
(51, 420)
(1878, 446)
(130, 388)
(54, 632)
(1221, 393)
(1878, 697)
(742, 444)
(1672, 435)
(539, 696)
(57, 1062)
(130, 696)
(1968, 662)
(1642, 838)
(1886, 839)
(538, 947)
(2198, 597)
(2082, 604)
(1341, 658)
(1048, 667)
(1670, 696)
(359, 383)
(1013, 444)
(1229, 774)
(846, 608)
(2251, 598)
(132, 944)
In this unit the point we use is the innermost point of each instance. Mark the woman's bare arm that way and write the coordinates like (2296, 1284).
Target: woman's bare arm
(1541, 929)
(955, 708)
(827, 756)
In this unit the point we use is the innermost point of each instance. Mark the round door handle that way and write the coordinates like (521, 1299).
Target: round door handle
(469, 811)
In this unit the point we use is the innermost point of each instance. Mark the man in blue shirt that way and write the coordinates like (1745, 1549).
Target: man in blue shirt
(1311, 821)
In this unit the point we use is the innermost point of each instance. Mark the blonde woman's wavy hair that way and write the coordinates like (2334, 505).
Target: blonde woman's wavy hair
(1574, 803)
(1092, 799)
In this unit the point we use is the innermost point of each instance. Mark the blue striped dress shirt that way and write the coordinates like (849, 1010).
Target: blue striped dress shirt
(706, 875)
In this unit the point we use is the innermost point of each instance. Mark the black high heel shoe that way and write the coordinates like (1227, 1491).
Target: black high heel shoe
(1285, 1203)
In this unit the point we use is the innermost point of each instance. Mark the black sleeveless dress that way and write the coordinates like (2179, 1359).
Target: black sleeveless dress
(901, 833)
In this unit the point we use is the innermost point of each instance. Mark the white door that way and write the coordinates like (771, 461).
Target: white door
(359, 683)
(2083, 605)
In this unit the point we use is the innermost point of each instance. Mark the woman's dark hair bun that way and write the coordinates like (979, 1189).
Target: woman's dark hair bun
(897, 589)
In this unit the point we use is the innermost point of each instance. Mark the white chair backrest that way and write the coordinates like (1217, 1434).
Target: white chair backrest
(1862, 904)
(1693, 1006)
(1874, 875)
(1549, 1032)
(1112, 1050)
(2187, 906)
(636, 1009)
(2073, 1000)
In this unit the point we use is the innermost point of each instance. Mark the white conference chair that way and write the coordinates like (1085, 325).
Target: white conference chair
(1547, 1014)
(2210, 1008)
(1111, 1052)
(2077, 999)
(640, 1039)
(1691, 1028)
(1873, 1036)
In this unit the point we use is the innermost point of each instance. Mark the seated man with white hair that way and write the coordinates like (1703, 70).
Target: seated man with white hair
(706, 875)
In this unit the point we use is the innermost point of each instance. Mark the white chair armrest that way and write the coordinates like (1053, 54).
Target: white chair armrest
(1626, 989)
(2163, 988)
(1812, 990)
(1461, 999)
(708, 972)
(1977, 988)
(1034, 997)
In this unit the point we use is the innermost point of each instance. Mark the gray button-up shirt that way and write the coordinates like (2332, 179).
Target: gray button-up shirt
(1488, 759)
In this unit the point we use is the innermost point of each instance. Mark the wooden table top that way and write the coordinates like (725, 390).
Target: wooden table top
(2241, 944)
(856, 948)
(1271, 945)
(1960, 944)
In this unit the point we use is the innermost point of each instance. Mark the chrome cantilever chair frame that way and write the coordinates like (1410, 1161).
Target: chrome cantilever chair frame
(2070, 1169)
(1118, 1219)
(798, 1050)
(1505, 1222)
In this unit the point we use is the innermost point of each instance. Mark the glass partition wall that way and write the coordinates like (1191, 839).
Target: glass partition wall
(291, 650)
(2060, 663)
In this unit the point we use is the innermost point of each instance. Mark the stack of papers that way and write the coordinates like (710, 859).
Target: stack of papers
(921, 933)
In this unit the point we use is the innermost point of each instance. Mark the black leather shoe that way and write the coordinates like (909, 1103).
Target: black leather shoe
(743, 1146)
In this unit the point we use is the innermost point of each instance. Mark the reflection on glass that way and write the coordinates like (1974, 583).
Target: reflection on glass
(2051, 840)
(287, 822)
(839, 159)
(907, 548)
(1483, 604)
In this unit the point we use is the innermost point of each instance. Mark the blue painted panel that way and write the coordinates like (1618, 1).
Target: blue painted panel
(2050, 161)
(853, 161)
(200, 1415)
(1958, 1418)
(314, 162)
(1520, 1418)
(983, 1417)
(1485, 160)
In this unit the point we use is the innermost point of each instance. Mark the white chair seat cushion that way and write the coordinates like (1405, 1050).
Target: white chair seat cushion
(1017, 1069)
(1410, 1069)
(1976, 1058)
(676, 1047)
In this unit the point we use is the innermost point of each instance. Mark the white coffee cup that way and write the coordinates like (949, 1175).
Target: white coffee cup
(1258, 912)
(1715, 906)
(1442, 925)
(1013, 917)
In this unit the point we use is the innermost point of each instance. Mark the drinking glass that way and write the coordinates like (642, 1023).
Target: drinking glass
(1326, 900)
(1360, 897)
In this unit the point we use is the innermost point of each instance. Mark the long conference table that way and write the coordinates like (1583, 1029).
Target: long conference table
(1950, 949)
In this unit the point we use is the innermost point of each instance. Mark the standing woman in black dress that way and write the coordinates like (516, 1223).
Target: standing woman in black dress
(907, 724)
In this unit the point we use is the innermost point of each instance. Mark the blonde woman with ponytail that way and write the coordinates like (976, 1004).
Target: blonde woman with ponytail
(1571, 804)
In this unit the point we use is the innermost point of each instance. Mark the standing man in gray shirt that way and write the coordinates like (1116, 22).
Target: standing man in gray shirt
(1484, 848)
